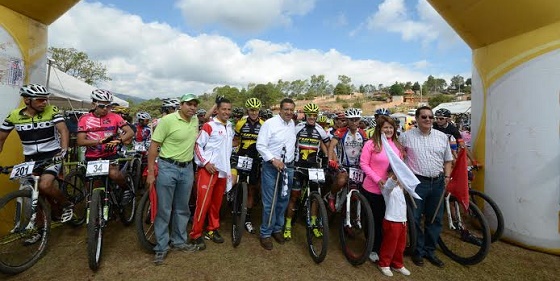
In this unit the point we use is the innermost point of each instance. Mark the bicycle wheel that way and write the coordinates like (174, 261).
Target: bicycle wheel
(411, 234)
(95, 229)
(127, 201)
(136, 172)
(469, 242)
(21, 247)
(317, 224)
(239, 213)
(491, 212)
(144, 226)
(356, 229)
(74, 188)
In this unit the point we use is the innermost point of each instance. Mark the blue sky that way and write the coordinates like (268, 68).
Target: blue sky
(163, 47)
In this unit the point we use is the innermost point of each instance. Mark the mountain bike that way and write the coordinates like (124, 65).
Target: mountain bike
(465, 236)
(356, 228)
(489, 208)
(238, 196)
(25, 217)
(312, 208)
(106, 200)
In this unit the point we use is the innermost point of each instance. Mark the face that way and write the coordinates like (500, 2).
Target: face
(362, 125)
(224, 111)
(440, 120)
(311, 119)
(341, 122)
(188, 108)
(353, 123)
(144, 122)
(388, 130)
(38, 104)
(102, 107)
(253, 113)
(287, 111)
(425, 120)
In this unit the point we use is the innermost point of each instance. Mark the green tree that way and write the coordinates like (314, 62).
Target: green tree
(396, 89)
(298, 87)
(416, 86)
(317, 85)
(344, 79)
(268, 94)
(341, 89)
(440, 98)
(79, 65)
(457, 82)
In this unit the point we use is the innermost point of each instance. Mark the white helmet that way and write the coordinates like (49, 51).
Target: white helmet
(353, 113)
(174, 103)
(101, 95)
(34, 91)
(142, 115)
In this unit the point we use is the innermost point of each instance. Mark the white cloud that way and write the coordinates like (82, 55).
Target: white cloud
(243, 15)
(151, 59)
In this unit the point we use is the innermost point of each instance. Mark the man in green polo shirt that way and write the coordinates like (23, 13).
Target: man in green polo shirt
(175, 134)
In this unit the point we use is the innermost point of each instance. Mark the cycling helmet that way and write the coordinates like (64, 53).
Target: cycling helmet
(253, 103)
(142, 115)
(265, 113)
(311, 108)
(443, 112)
(322, 119)
(383, 111)
(174, 103)
(371, 122)
(353, 113)
(34, 91)
(237, 112)
(101, 95)
(201, 111)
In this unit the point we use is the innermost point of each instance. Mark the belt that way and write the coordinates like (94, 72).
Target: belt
(428, 178)
(290, 163)
(176, 163)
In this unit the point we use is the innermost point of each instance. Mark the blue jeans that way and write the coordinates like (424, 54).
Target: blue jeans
(430, 191)
(268, 181)
(173, 186)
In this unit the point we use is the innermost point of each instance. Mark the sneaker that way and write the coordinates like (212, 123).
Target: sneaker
(214, 235)
(127, 197)
(317, 233)
(402, 270)
(386, 271)
(288, 233)
(33, 239)
(249, 227)
(67, 213)
(373, 257)
(184, 247)
(199, 243)
(266, 243)
(159, 257)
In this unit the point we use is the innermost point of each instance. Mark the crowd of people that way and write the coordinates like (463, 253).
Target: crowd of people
(190, 147)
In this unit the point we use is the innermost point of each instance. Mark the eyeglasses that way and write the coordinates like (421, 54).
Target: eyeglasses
(103, 106)
(311, 115)
(427, 116)
(41, 100)
(353, 119)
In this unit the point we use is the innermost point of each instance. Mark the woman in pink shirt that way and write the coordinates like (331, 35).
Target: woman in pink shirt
(375, 165)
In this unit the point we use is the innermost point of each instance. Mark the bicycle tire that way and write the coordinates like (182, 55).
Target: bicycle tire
(317, 246)
(411, 234)
(136, 172)
(456, 243)
(95, 229)
(239, 213)
(75, 190)
(127, 209)
(357, 239)
(491, 212)
(14, 243)
(144, 227)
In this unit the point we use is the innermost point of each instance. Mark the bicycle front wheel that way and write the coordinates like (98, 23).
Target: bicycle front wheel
(136, 172)
(356, 229)
(239, 213)
(144, 226)
(22, 243)
(465, 237)
(95, 229)
(128, 201)
(317, 223)
(74, 188)
(491, 212)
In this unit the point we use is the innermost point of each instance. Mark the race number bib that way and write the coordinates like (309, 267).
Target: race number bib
(244, 163)
(356, 175)
(22, 170)
(140, 147)
(97, 168)
(316, 175)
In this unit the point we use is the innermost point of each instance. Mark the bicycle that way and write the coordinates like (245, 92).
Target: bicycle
(24, 214)
(356, 228)
(465, 237)
(105, 200)
(489, 208)
(238, 196)
(314, 211)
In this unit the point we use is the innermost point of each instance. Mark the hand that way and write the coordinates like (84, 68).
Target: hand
(210, 168)
(333, 164)
(279, 165)
(446, 181)
(107, 139)
(113, 143)
(476, 165)
(150, 179)
(381, 183)
(219, 99)
(59, 156)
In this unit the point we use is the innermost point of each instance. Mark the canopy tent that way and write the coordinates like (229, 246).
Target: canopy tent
(70, 92)
(457, 107)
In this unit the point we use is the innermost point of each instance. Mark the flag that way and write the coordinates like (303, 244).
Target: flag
(405, 176)
(153, 194)
(285, 182)
(459, 184)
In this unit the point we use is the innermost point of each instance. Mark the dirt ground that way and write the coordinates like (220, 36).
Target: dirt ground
(123, 259)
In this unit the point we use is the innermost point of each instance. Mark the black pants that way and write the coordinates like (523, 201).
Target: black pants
(377, 204)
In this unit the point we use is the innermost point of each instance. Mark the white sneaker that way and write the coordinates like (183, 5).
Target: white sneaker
(402, 270)
(386, 271)
(373, 257)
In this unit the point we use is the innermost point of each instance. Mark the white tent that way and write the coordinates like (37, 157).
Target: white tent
(70, 92)
(455, 107)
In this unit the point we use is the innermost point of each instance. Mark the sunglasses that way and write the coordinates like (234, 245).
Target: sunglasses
(440, 118)
(312, 115)
(103, 106)
(40, 99)
(427, 116)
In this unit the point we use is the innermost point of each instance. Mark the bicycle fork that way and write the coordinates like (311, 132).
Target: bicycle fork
(348, 219)
(450, 215)
(34, 201)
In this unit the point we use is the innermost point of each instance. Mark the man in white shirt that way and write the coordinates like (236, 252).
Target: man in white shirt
(276, 145)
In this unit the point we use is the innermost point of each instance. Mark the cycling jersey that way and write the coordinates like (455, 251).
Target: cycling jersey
(248, 131)
(308, 143)
(38, 134)
(142, 137)
(451, 131)
(98, 128)
(349, 146)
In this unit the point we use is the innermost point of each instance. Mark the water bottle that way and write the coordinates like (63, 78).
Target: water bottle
(106, 212)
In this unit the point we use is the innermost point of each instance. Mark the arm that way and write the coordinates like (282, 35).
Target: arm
(82, 141)
(365, 157)
(152, 154)
(3, 137)
(262, 143)
(64, 135)
(201, 156)
(332, 146)
(127, 135)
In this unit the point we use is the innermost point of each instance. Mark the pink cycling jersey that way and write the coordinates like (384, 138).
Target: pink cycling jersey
(98, 128)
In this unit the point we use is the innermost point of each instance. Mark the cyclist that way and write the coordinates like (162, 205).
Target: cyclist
(168, 106)
(323, 121)
(444, 125)
(143, 131)
(98, 131)
(201, 115)
(44, 135)
(265, 114)
(344, 149)
(237, 114)
(310, 138)
(339, 122)
(246, 131)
